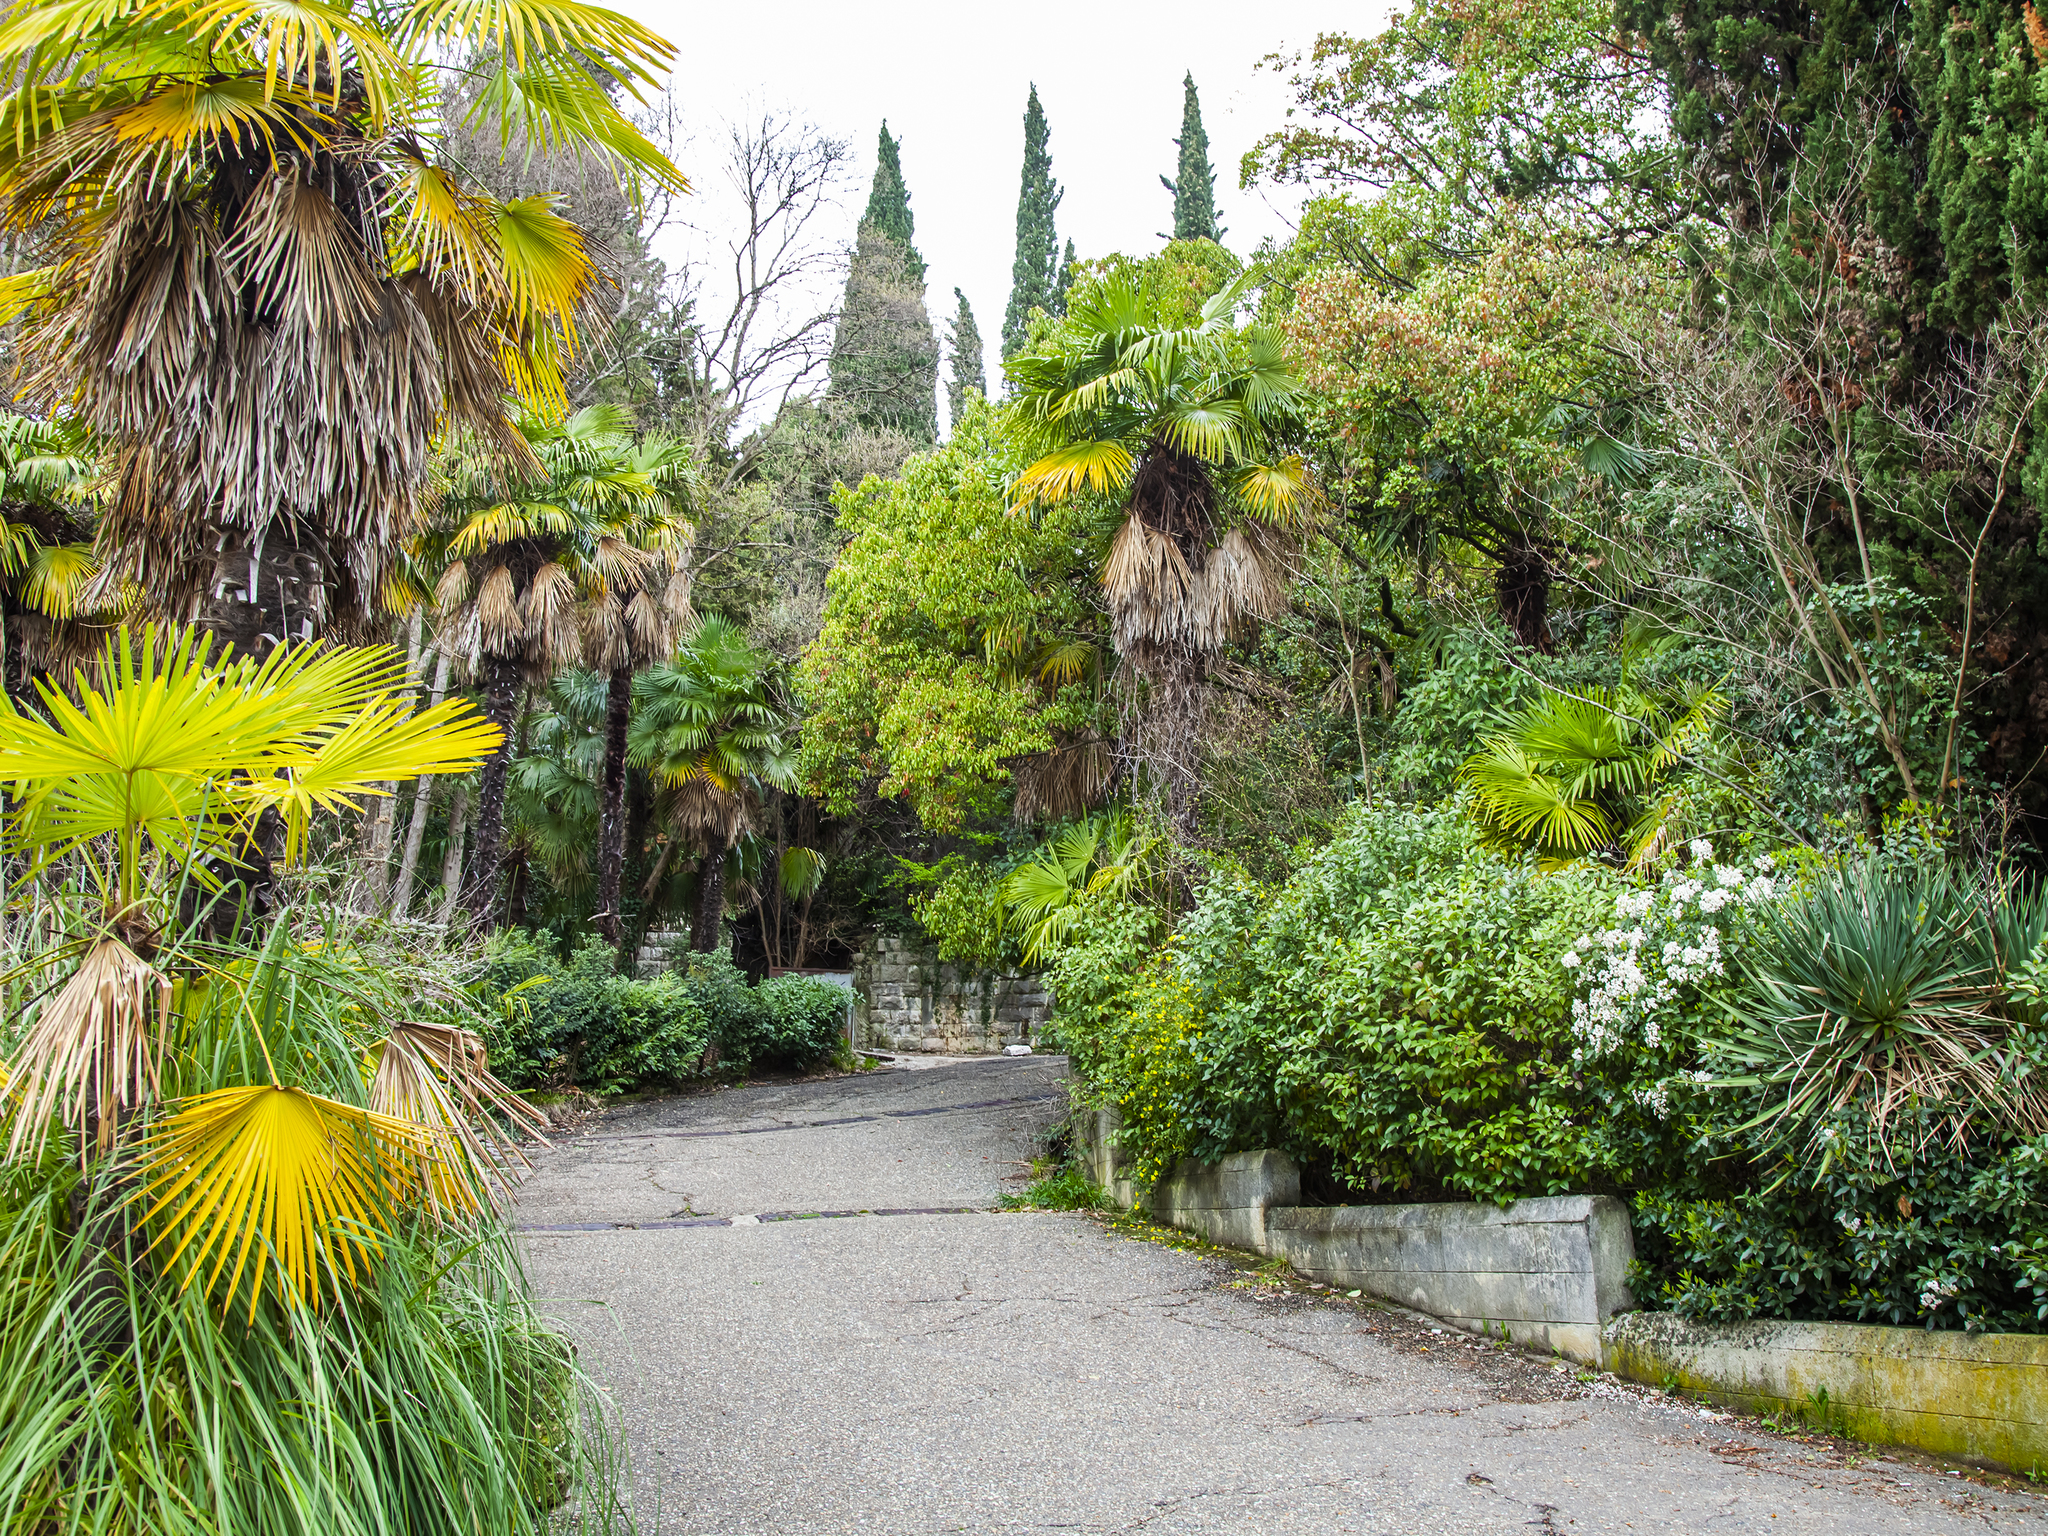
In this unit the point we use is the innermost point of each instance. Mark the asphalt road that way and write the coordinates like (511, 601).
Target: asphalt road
(925, 1364)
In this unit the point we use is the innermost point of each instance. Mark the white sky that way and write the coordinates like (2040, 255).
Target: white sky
(951, 79)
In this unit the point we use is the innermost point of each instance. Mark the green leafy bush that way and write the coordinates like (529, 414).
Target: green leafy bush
(806, 1020)
(1901, 1228)
(1398, 1013)
(586, 1025)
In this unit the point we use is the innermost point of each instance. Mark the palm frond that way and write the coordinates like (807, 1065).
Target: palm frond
(277, 1176)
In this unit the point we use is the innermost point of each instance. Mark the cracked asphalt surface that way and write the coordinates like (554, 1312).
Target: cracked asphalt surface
(977, 1371)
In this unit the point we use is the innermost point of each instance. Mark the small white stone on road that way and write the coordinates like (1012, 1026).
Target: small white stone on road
(1016, 1050)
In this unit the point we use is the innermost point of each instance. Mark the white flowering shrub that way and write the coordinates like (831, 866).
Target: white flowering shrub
(1650, 985)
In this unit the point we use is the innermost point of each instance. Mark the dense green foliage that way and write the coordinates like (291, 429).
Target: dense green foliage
(583, 1025)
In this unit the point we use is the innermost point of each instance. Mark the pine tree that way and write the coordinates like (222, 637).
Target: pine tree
(885, 353)
(1034, 276)
(889, 201)
(1194, 187)
(963, 340)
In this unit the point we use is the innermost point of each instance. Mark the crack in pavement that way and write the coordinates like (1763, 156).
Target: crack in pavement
(747, 1219)
(812, 1125)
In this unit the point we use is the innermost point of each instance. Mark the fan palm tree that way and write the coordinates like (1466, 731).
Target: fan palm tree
(265, 287)
(49, 579)
(1573, 774)
(535, 570)
(631, 619)
(1189, 427)
(708, 732)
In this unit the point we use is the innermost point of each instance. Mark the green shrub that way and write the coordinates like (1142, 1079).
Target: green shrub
(1398, 1012)
(806, 1020)
(586, 1025)
(1901, 1228)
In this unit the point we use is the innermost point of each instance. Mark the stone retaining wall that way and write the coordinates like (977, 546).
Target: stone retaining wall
(1543, 1273)
(907, 1001)
(1978, 1397)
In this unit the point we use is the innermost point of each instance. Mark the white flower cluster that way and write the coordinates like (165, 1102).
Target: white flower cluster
(1666, 939)
(1938, 1294)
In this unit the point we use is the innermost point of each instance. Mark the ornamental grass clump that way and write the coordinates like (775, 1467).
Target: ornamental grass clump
(252, 1272)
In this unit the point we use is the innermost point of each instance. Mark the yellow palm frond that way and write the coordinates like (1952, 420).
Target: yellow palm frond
(278, 1176)
(524, 28)
(56, 580)
(548, 271)
(1281, 493)
(296, 40)
(1100, 466)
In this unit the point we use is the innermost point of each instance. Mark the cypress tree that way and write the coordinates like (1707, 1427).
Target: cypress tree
(1194, 186)
(889, 201)
(1064, 283)
(885, 353)
(1034, 275)
(963, 340)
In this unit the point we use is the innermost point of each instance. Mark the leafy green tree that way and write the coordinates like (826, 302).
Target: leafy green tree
(1876, 240)
(958, 642)
(963, 341)
(1193, 183)
(269, 290)
(1035, 275)
(1444, 408)
(885, 353)
(1456, 114)
(708, 730)
(1191, 428)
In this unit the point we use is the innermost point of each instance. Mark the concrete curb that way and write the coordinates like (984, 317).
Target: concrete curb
(1974, 1397)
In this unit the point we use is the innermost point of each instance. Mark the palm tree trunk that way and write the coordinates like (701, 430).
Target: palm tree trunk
(451, 862)
(487, 860)
(269, 588)
(422, 803)
(710, 898)
(1522, 590)
(611, 837)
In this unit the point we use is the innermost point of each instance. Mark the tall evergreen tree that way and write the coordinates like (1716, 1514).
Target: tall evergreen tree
(885, 352)
(1064, 282)
(963, 340)
(889, 201)
(1194, 185)
(1034, 275)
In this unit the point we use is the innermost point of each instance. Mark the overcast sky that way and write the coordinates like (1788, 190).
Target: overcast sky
(951, 79)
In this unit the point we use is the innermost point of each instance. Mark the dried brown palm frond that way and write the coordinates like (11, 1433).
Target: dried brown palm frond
(497, 611)
(437, 1076)
(452, 590)
(1068, 781)
(1146, 580)
(550, 606)
(92, 1050)
(608, 642)
(1241, 582)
